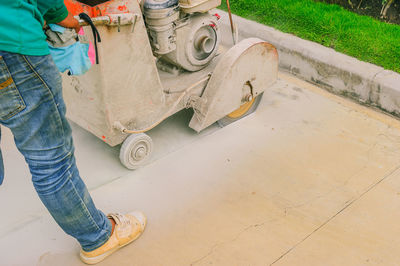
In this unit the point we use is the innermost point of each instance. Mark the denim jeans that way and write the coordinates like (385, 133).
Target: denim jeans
(31, 105)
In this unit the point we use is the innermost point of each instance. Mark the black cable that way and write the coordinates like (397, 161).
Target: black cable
(93, 2)
(96, 34)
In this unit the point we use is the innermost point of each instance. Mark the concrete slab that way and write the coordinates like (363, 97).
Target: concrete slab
(286, 184)
(362, 234)
(168, 137)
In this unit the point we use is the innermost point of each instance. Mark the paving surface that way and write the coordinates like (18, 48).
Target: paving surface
(331, 70)
(310, 179)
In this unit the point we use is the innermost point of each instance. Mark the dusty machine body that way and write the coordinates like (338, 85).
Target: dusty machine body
(156, 58)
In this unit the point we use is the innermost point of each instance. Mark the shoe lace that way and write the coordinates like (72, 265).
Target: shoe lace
(120, 219)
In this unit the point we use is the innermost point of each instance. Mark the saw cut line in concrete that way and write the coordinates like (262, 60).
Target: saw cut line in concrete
(241, 195)
(396, 170)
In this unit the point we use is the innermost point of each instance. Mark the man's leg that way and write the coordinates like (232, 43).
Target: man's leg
(1, 164)
(33, 108)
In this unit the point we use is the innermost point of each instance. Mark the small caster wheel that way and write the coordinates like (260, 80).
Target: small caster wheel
(136, 151)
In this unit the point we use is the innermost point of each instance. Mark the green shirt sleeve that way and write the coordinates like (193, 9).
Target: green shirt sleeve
(54, 11)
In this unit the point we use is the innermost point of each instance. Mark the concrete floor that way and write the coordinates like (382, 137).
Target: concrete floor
(310, 179)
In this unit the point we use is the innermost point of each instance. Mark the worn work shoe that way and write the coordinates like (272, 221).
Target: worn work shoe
(127, 229)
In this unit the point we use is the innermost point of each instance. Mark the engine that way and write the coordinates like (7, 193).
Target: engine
(183, 32)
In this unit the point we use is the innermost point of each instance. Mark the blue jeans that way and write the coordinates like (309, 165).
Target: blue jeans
(31, 105)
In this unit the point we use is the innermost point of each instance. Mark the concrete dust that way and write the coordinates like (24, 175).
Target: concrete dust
(309, 179)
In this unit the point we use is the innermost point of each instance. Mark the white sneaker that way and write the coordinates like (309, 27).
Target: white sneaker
(127, 229)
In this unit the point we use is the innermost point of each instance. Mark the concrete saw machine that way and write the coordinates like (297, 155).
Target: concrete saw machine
(156, 58)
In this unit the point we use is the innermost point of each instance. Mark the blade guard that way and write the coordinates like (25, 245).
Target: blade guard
(251, 61)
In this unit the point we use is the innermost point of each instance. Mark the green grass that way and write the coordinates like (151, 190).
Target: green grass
(359, 36)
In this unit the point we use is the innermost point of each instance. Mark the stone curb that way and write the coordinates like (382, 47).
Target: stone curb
(336, 72)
